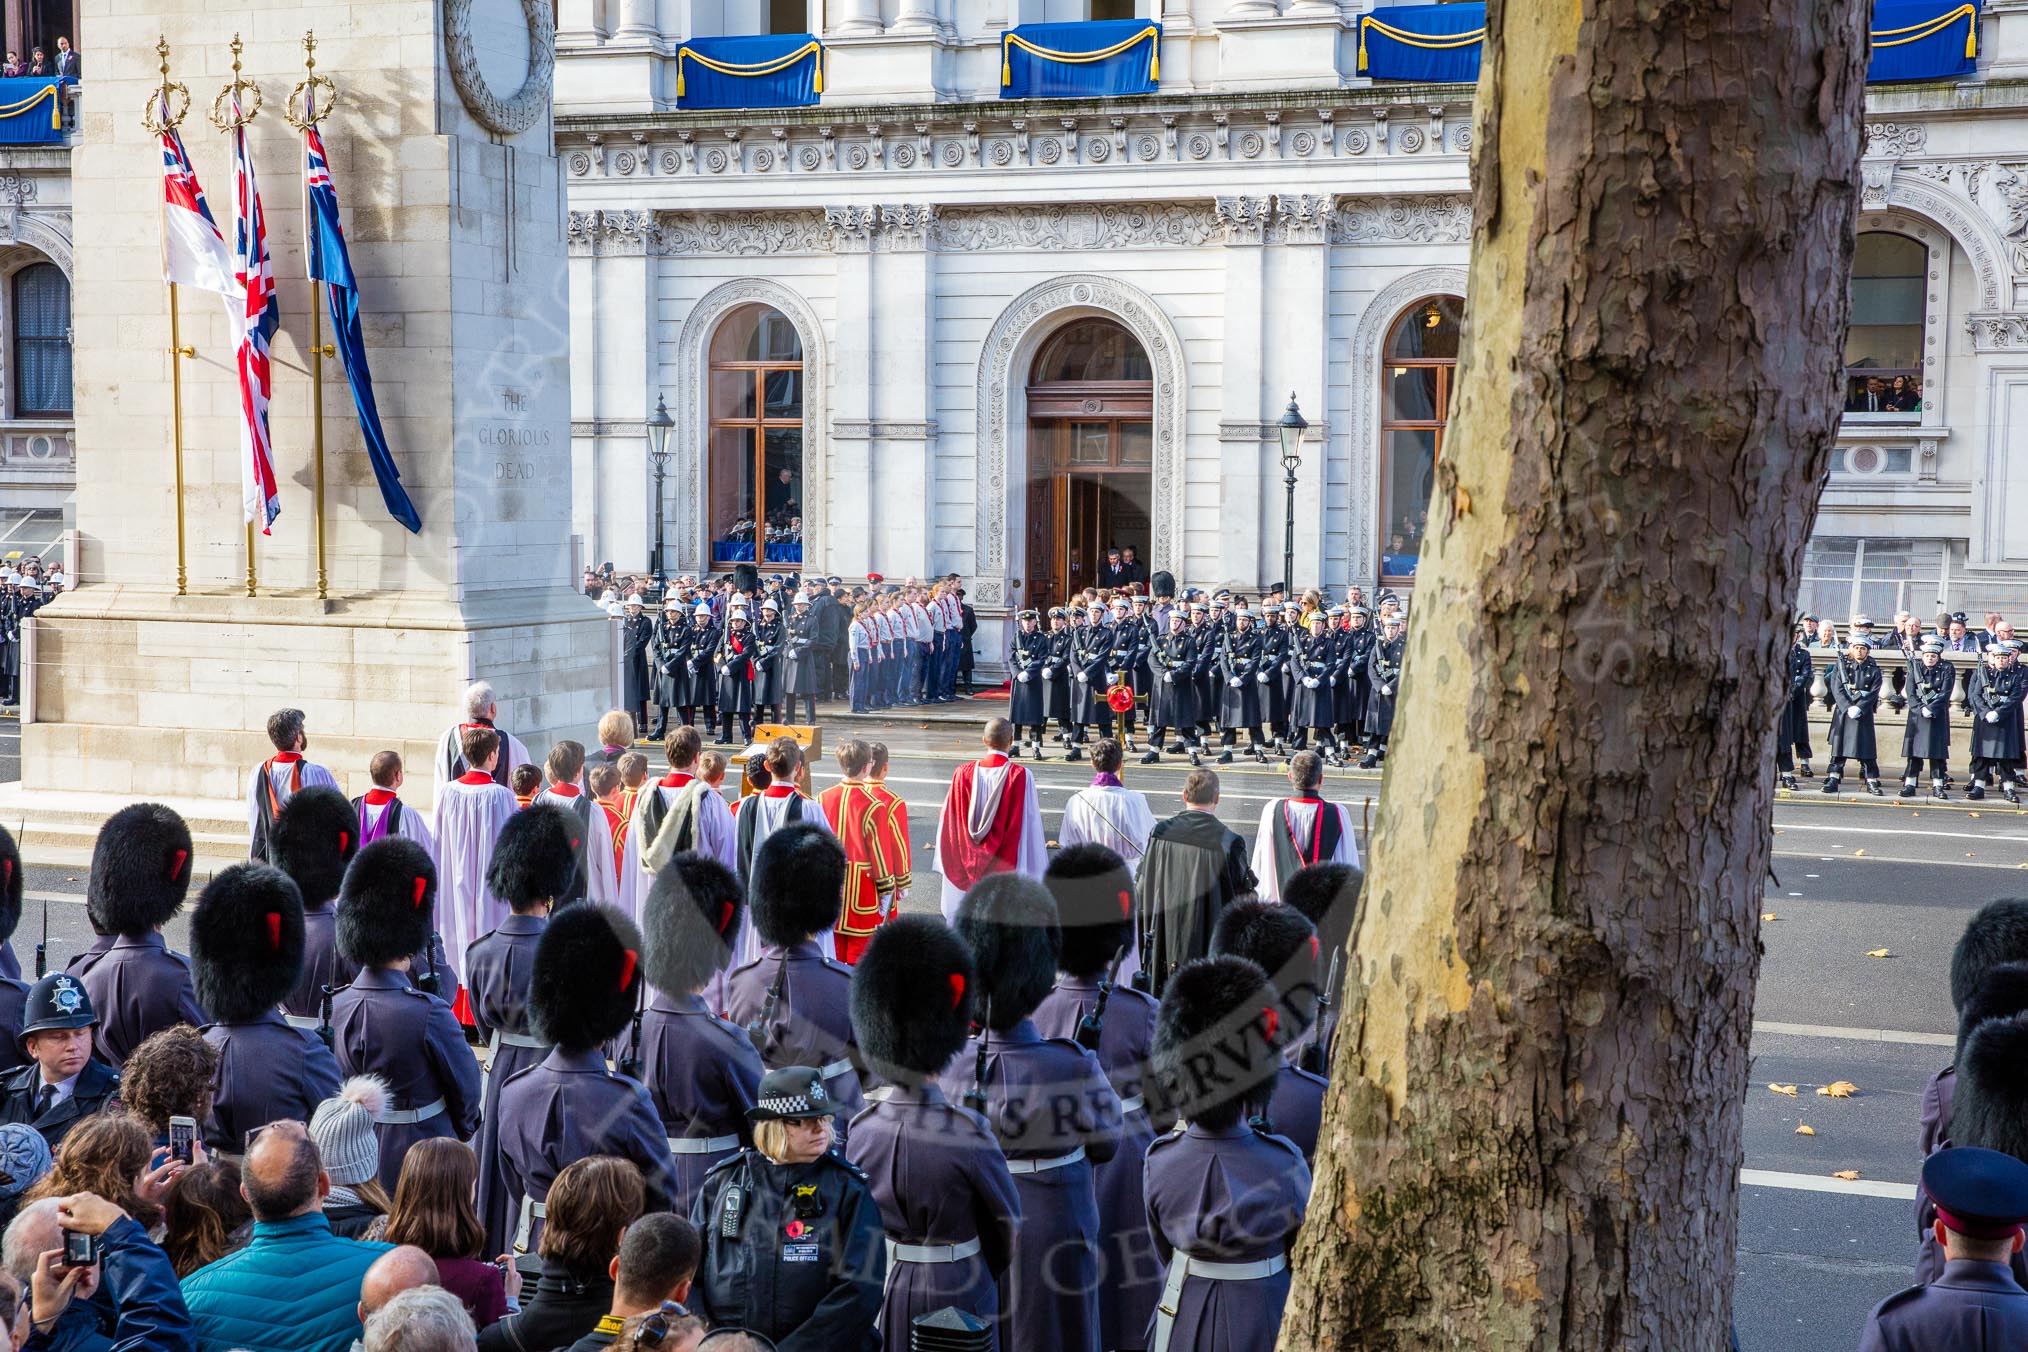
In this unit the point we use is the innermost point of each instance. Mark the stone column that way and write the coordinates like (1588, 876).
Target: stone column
(637, 21)
(918, 18)
(849, 550)
(1240, 546)
(856, 18)
(904, 431)
(580, 23)
(453, 206)
(1298, 360)
(623, 378)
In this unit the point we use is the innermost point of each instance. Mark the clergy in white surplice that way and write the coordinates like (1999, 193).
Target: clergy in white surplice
(1302, 830)
(481, 707)
(758, 816)
(381, 810)
(596, 878)
(1108, 813)
(472, 810)
(991, 821)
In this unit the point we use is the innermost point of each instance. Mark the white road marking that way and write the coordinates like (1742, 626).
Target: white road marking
(1895, 831)
(1852, 1187)
(1855, 1034)
(1900, 859)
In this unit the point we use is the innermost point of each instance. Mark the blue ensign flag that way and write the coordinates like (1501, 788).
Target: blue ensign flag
(330, 264)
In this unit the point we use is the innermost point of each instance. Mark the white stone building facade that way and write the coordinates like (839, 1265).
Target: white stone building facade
(1261, 225)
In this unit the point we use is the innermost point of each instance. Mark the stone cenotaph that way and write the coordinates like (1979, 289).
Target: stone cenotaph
(441, 151)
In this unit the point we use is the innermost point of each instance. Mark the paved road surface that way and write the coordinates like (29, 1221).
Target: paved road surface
(1852, 876)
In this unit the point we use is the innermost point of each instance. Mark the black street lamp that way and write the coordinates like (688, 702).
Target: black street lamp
(659, 426)
(1291, 428)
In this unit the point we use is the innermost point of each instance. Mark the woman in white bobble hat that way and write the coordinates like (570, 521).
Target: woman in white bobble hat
(342, 1128)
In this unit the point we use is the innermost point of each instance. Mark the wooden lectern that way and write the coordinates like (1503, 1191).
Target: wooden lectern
(810, 739)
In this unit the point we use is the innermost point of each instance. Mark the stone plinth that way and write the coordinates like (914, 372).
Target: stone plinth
(455, 230)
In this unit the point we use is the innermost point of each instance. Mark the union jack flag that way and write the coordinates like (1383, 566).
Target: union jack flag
(193, 248)
(262, 315)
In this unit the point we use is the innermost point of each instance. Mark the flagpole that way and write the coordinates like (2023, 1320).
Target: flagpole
(319, 349)
(159, 120)
(233, 121)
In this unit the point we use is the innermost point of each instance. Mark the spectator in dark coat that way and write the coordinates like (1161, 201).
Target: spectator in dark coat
(589, 1207)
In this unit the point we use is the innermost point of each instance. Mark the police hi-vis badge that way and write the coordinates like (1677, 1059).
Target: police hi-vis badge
(68, 997)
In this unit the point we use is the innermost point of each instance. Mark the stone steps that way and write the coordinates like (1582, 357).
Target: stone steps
(59, 829)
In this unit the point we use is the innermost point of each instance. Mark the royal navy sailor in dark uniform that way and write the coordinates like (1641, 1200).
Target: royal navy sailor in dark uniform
(1314, 713)
(1975, 1305)
(314, 838)
(1225, 1198)
(1792, 727)
(533, 864)
(1091, 650)
(1242, 662)
(947, 1200)
(1056, 671)
(702, 1072)
(1090, 1003)
(1994, 695)
(1928, 737)
(1027, 705)
(697, 679)
(793, 1248)
(585, 987)
(246, 954)
(1051, 1105)
(140, 875)
(794, 1001)
(1383, 680)
(1855, 694)
(1281, 941)
(801, 662)
(1172, 698)
(63, 1083)
(732, 663)
(382, 1024)
(770, 639)
(1355, 644)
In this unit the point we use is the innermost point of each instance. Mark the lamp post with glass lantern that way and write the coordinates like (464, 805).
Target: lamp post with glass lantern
(1291, 429)
(659, 426)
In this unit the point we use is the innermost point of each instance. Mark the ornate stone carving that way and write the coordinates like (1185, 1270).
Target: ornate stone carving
(850, 229)
(509, 116)
(1438, 219)
(1875, 179)
(1356, 141)
(1998, 332)
(1002, 377)
(1083, 226)
(2013, 188)
(1896, 139)
(692, 413)
(1971, 230)
(744, 233)
(1303, 218)
(1409, 139)
(907, 225)
(612, 233)
(1245, 219)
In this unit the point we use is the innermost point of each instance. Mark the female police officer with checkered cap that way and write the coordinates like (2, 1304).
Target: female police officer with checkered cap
(792, 1238)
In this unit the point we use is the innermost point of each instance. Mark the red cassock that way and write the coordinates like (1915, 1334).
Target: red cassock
(964, 860)
(872, 825)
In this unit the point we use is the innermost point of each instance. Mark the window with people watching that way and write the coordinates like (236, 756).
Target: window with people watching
(755, 474)
(1883, 347)
(1419, 367)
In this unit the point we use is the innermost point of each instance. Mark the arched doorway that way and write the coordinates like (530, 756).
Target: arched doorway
(754, 465)
(1091, 403)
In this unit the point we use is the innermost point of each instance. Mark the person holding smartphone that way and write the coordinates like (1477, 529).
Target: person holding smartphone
(83, 1243)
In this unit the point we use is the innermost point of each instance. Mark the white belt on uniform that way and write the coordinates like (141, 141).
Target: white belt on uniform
(1045, 1165)
(309, 1023)
(531, 1212)
(835, 1069)
(701, 1145)
(401, 1117)
(932, 1253)
(1133, 1105)
(1183, 1266)
(501, 1039)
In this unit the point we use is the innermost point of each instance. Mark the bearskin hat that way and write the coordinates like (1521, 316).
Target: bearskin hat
(1997, 933)
(140, 870)
(1328, 896)
(587, 978)
(11, 884)
(1094, 907)
(691, 921)
(912, 998)
(313, 838)
(1990, 1105)
(536, 856)
(387, 906)
(246, 942)
(1224, 1001)
(1277, 939)
(2002, 994)
(745, 579)
(798, 883)
(1163, 584)
(1009, 923)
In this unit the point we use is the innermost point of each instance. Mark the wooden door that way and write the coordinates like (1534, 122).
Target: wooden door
(1084, 547)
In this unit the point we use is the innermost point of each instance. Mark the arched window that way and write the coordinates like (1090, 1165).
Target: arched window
(1883, 348)
(41, 342)
(1418, 365)
(755, 476)
(1092, 349)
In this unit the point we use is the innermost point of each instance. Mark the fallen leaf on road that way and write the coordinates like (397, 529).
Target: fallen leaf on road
(1770, 915)
(1971, 814)
(1847, 1174)
(1879, 953)
(1857, 853)
(1838, 1089)
(1805, 1129)
(1788, 1089)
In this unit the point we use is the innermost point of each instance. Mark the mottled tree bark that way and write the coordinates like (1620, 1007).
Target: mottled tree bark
(1533, 1132)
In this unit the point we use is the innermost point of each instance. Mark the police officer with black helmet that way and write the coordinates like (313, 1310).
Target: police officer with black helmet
(64, 1083)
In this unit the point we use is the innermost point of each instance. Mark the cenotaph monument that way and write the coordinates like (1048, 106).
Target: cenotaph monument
(441, 152)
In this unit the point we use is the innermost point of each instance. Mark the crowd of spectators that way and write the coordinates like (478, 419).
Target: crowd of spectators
(44, 64)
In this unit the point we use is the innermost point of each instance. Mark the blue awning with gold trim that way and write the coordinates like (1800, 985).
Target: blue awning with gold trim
(1100, 58)
(779, 71)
